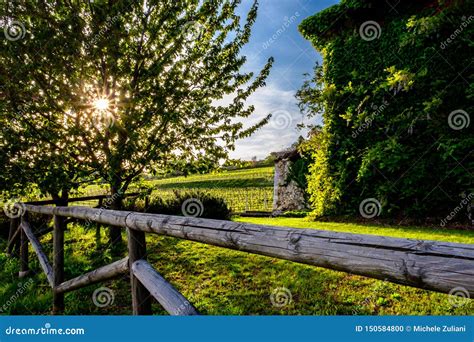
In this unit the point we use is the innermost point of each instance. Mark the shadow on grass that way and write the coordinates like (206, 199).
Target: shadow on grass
(217, 281)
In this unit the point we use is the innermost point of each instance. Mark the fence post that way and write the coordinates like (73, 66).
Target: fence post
(97, 226)
(13, 246)
(141, 299)
(264, 200)
(147, 203)
(24, 267)
(58, 263)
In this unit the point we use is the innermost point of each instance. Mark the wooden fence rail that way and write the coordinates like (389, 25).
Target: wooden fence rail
(103, 273)
(42, 258)
(171, 300)
(14, 239)
(431, 265)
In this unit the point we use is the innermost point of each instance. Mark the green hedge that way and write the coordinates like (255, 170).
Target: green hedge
(386, 106)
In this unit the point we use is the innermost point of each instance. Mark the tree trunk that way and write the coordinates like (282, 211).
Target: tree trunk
(60, 227)
(115, 202)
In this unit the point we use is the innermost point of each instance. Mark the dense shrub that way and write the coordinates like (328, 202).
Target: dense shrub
(37, 221)
(184, 203)
(388, 104)
(4, 225)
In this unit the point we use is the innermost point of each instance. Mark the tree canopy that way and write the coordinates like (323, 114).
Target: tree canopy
(113, 88)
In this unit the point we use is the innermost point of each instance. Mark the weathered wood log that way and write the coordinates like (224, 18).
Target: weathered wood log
(13, 240)
(147, 203)
(170, 298)
(24, 264)
(13, 229)
(97, 227)
(43, 259)
(58, 262)
(103, 273)
(141, 301)
(14, 237)
(43, 232)
(432, 265)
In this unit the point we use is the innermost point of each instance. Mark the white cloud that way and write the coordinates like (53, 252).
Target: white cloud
(281, 131)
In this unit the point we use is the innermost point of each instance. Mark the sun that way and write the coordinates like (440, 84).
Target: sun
(101, 104)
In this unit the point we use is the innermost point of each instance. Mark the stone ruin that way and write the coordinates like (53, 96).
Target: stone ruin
(287, 195)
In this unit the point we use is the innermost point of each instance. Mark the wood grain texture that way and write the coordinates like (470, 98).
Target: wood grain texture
(24, 255)
(14, 237)
(13, 240)
(43, 259)
(104, 273)
(432, 265)
(170, 298)
(58, 262)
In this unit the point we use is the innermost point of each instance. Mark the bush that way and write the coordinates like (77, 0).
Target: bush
(184, 203)
(4, 225)
(37, 221)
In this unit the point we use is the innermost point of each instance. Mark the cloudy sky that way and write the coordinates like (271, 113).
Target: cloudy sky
(275, 33)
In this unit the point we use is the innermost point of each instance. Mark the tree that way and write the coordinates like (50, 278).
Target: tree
(30, 164)
(131, 86)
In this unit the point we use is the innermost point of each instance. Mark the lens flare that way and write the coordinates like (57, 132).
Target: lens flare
(101, 104)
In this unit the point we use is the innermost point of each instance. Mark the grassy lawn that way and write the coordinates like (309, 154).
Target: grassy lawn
(424, 233)
(224, 282)
(254, 177)
(245, 189)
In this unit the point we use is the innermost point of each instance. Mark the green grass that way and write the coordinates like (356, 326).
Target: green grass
(423, 233)
(238, 199)
(243, 190)
(255, 177)
(225, 282)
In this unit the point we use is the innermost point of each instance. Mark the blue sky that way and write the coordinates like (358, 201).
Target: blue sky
(275, 33)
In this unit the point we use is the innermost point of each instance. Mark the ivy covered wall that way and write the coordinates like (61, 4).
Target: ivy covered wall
(396, 91)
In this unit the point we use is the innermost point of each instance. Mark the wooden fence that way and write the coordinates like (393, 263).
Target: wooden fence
(431, 265)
